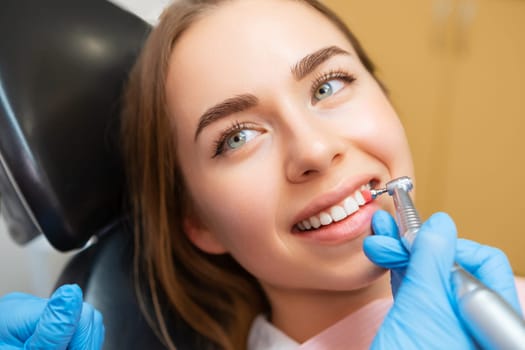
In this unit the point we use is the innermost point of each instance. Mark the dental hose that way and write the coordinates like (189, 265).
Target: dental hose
(491, 321)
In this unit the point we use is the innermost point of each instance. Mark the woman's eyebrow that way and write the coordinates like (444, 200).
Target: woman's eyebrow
(308, 63)
(223, 109)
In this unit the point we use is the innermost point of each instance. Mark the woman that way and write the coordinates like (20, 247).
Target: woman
(250, 128)
(273, 118)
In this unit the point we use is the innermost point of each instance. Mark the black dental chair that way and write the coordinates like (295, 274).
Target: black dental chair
(62, 68)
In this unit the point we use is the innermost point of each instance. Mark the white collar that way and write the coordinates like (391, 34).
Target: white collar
(265, 336)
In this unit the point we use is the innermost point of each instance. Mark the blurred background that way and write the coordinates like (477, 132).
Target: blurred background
(33, 268)
(455, 71)
(456, 74)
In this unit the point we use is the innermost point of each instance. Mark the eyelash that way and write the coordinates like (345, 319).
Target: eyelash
(322, 78)
(235, 127)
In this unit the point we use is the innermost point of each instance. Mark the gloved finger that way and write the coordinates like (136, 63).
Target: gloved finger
(383, 224)
(20, 325)
(432, 253)
(491, 266)
(90, 331)
(59, 320)
(386, 252)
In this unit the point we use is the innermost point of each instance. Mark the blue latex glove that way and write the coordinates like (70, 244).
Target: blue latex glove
(423, 316)
(61, 322)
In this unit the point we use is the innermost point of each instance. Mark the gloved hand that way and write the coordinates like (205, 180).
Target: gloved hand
(61, 322)
(423, 316)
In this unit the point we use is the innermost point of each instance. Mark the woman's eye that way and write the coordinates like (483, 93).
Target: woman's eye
(239, 138)
(235, 137)
(328, 88)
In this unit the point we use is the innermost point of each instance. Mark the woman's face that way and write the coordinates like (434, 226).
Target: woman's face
(278, 121)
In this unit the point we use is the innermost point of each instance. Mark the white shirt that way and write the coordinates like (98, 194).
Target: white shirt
(263, 335)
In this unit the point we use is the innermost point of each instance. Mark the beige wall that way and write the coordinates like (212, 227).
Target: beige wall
(456, 70)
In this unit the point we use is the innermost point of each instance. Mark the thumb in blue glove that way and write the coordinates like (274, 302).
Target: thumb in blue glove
(488, 264)
(423, 312)
(58, 321)
(61, 322)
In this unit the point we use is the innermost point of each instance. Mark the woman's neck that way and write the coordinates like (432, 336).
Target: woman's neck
(304, 314)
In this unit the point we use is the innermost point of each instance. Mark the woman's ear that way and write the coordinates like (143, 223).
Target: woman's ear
(201, 236)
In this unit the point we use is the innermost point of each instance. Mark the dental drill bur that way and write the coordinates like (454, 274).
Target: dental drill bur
(491, 321)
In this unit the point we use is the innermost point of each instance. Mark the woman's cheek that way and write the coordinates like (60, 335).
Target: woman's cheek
(372, 124)
(245, 197)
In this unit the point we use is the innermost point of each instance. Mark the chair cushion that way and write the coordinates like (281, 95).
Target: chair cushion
(104, 272)
(62, 68)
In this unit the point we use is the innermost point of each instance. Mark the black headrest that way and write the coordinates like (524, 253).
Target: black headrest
(62, 67)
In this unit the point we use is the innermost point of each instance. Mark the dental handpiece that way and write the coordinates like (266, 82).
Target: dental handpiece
(491, 321)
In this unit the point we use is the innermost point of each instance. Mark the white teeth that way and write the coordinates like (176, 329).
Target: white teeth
(350, 205)
(325, 218)
(366, 187)
(306, 224)
(337, 213)
(316, 223)
(359, 198)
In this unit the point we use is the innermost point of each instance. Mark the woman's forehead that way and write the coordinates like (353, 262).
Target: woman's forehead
(246, 42)
(253, 29)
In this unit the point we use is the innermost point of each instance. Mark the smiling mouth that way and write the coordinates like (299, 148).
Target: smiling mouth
(347, 207)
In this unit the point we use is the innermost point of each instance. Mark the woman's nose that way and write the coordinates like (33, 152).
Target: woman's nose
(312, 150)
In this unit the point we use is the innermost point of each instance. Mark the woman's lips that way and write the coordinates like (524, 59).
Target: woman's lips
(347, 229)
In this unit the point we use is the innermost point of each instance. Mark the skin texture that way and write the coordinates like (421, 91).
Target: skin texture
(301, 153)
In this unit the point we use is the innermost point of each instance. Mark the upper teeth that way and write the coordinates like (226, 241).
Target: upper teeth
(337, 212)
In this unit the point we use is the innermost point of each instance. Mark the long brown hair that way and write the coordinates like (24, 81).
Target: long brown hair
(213, 294)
